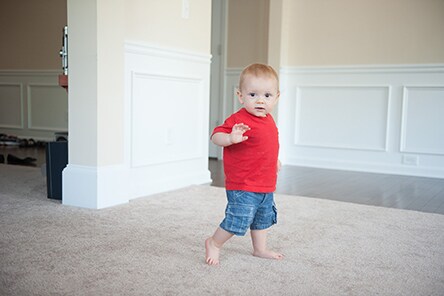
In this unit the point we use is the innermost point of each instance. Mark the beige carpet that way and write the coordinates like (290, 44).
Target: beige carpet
(155, 246)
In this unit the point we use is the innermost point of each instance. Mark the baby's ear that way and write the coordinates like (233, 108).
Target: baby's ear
(239, 96)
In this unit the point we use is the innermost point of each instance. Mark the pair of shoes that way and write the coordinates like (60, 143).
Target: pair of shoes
(29, 161)
(27, 143)
(2, 158)
(8, 140)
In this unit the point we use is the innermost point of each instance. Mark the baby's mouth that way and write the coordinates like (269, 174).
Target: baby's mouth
(260, 108)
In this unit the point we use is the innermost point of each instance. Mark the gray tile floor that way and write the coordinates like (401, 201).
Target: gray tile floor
(393, 191)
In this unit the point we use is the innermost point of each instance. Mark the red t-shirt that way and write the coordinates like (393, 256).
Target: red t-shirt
(252, 164)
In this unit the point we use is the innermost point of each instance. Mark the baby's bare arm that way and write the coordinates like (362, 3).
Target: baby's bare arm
(236, 136)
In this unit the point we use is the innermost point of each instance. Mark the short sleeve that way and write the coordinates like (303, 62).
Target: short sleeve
(226, 127)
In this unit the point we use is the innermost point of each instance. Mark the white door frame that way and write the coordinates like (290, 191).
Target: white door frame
(218, 64)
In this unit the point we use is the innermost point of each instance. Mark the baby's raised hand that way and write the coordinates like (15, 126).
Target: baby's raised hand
(237, 133)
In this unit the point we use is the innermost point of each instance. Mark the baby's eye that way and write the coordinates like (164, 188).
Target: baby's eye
(268, 95)
(252, 94)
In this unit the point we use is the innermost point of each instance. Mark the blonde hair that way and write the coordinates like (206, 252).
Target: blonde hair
(258, 70)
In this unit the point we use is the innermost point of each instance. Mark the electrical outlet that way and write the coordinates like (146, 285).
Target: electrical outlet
(410, 159)
(186, 9)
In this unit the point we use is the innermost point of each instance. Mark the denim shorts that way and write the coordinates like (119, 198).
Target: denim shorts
(248, 210)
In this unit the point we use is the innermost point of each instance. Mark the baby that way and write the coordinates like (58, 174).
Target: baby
(251, 146)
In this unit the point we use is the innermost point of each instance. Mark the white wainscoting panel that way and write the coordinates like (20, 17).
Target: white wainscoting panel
(11, 105)
(386, 119)
(165, 109)
(342, 117)
(231, 102)
(166, 118)
(40, 96)
(423, 120)
(32, 104)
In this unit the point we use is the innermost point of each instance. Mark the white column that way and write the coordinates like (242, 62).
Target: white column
(96, 87)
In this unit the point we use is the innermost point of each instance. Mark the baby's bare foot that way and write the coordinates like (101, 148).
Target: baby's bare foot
(268, 254)
(212, 252)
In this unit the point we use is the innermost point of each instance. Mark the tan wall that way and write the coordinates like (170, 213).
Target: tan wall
(31, 34)
(342, 32)
(161, 23)
(31, 31)
(316, 32)
(247, 40)
(275, 33)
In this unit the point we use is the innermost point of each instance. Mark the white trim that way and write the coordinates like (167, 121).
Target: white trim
(102, 187)
(30, 72)
(143, 183)
(368, 167)
(22, 123)
(137, 47)
(196, 81)
(29, 109)
(297, 140)
(230, 101)
(363, 69)
(405, 102)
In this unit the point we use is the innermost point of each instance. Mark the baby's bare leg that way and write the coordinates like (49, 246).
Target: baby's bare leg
(214, 244)
(259, 239)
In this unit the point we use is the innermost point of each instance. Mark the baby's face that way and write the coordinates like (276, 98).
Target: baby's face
(259, 95)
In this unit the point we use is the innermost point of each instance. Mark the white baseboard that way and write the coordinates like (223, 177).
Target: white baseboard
(368, 167)
(95, 187)
(158, 183)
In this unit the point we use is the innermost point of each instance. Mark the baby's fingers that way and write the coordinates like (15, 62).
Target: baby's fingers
(241, 127)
